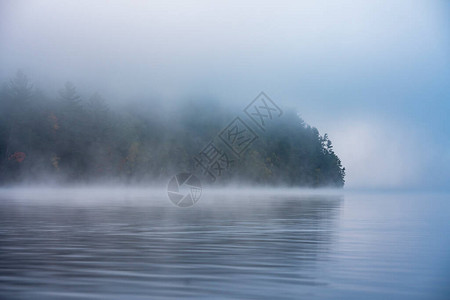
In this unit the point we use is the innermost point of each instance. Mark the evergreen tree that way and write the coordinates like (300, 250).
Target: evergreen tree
(76, 140)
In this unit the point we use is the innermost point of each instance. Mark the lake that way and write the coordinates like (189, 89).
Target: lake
(135, 244)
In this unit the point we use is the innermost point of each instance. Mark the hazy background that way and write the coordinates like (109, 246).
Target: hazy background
(374, 75)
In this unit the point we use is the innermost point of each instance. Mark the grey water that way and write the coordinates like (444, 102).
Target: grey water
(110, 245)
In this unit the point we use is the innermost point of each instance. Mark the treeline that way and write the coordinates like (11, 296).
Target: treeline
(70, 139)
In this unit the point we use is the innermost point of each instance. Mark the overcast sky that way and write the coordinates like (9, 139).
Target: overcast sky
(375, 75)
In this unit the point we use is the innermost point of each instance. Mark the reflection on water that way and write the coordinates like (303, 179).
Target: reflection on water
(238, 247)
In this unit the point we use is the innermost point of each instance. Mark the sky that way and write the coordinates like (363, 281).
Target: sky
(374, 75)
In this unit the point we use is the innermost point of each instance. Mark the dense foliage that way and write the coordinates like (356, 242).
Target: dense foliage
(70, 139)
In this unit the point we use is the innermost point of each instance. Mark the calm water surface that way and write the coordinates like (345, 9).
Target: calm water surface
(88, 245)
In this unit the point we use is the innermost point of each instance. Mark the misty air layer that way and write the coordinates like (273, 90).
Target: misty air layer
(69, 139)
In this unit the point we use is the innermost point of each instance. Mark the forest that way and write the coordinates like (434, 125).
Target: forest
(66, 138)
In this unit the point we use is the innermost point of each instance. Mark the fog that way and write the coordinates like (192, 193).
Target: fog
(372, 74)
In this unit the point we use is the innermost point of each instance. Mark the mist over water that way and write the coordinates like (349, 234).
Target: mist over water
(235, 150)
(101, 245)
